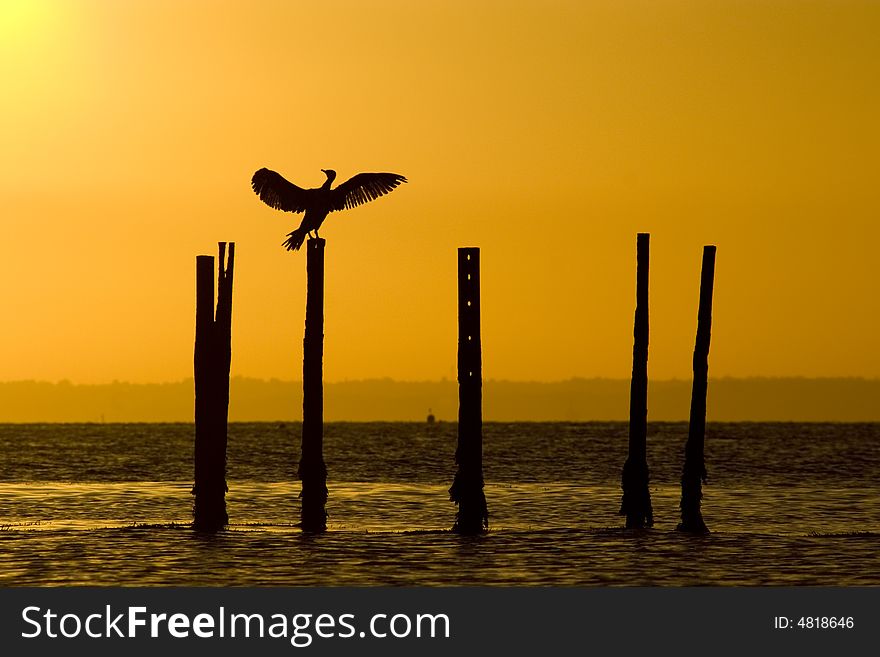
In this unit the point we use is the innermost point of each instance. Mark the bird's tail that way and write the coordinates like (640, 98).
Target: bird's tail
(295, 239)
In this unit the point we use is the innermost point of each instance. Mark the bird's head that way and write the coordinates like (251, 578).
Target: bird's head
(330, 173)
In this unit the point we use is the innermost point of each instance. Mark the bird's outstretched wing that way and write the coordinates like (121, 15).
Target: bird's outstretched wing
(279, 193)
(362, 188)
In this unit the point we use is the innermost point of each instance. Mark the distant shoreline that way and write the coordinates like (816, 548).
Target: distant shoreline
(384, 400)
(450, 422)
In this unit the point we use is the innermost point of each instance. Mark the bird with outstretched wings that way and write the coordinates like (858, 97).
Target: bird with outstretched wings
(277, 192)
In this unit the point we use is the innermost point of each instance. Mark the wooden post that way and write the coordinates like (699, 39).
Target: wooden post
(312, 470)
(694, 472)
(467, 487)
(211, 363)
(202, 375)
(223, 358)
(636, 503)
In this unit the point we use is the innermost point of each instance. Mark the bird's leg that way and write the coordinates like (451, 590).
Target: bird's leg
(316, 234)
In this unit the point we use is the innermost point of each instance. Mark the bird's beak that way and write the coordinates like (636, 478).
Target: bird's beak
(323, 170)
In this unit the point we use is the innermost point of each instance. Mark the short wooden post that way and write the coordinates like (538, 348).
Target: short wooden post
(202, 364)
(211, 361)
(312, 470)
(636, 503)
(467, 487)
(694, 472)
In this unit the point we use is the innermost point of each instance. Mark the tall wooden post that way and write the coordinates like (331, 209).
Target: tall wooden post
(694, 473)
(211, 363)
(467, 487)
(312, 470)
(636, 503)
(223, 356)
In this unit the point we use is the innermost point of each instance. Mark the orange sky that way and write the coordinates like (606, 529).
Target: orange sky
(547, 133)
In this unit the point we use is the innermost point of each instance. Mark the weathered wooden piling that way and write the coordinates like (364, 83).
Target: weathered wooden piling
(312, 470)
(694, 472)
(636, 502)
(211, 362)
(467, 487)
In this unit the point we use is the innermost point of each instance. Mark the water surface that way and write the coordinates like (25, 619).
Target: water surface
(108, 505)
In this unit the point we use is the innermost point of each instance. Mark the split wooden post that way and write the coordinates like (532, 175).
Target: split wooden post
(694, 472)
(636, 502)
(312, 470)
(211, 362)
(467, 487)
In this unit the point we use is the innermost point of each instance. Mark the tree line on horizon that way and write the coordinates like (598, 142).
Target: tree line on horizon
(576, 400)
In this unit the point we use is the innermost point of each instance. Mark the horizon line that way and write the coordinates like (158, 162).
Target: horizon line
(241, 377)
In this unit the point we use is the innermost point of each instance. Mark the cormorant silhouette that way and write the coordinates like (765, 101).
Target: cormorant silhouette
(282, 194)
